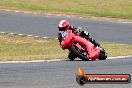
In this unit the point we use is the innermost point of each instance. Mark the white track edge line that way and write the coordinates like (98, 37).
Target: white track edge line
(117, 57)
(54, 60)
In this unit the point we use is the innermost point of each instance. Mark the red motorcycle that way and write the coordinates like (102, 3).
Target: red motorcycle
(81, 47)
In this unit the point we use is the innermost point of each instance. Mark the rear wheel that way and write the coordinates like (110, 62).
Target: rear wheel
(80, 53)
(103, 55)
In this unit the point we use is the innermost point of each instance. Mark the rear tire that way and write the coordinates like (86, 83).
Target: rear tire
(103, 55)
(78, 54)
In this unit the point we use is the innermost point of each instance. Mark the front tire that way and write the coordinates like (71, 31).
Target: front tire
(77, 52)
(71, 56)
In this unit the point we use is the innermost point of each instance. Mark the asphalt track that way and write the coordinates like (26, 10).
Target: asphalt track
(46, 25)
(62, 74)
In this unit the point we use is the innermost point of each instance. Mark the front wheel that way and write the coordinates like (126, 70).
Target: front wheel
(71, 56)
(79, 53)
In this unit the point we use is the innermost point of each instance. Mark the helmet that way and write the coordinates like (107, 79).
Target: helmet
(63, 25)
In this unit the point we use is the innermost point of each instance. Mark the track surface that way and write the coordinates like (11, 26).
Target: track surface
(61, 74)
(46, 25)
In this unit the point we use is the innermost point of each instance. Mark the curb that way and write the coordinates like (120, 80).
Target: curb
(37, 13)
(119, 20)
(34, 61)
(23, 35)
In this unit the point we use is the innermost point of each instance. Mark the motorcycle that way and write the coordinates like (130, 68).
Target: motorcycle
(81, 47)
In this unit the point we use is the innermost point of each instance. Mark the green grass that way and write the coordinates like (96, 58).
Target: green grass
(102, 8)
(27, 48)
(17, 48)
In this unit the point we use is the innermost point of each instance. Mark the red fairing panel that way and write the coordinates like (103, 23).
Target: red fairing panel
(93, 52)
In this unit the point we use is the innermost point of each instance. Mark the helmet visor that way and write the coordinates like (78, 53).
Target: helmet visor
(62, 28)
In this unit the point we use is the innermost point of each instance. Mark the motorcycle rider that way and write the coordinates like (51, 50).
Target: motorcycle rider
(65, 26)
